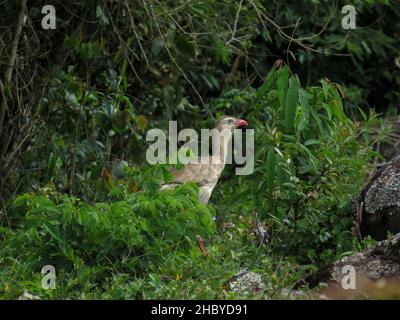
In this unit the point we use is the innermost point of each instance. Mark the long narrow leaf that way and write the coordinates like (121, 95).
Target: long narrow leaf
(292, 100)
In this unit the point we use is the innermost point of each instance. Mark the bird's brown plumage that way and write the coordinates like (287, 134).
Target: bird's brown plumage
(205, 171)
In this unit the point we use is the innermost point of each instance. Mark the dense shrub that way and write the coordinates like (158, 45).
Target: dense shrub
(311, 159)
(86, 93)
(88, 244)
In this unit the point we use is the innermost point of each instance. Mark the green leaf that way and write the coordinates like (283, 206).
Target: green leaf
(281, 175)
(271, 77)
(51, 166)
(283, 75)
(304, 99)
(328, 109)
(271, 167)
(311, 142)
(325, 89)
(102, 17)
(292, 100)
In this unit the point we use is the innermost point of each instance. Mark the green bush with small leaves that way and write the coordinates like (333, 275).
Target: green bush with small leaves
(95, 242)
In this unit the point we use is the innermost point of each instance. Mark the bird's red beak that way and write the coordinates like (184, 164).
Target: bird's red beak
(241, 123)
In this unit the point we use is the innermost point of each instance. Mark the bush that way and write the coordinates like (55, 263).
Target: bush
(311, 159)
(125, 241)
(90, 244)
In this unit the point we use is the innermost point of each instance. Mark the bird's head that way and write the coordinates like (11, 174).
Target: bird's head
(230, 123)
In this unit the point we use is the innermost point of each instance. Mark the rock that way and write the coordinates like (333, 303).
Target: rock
(246, 282)
(28, 296)
(376, 268)
(384, 288)
(290, 294)
(377, 208)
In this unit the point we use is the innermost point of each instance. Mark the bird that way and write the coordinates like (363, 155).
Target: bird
(206, 170)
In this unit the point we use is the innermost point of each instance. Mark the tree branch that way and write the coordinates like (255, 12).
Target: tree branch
(11, 62)
(14, 45)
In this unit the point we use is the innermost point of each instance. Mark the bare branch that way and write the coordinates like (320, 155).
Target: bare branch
(14, 46)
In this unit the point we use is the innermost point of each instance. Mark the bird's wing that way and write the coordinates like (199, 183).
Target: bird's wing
(201, 172)
(204, 173)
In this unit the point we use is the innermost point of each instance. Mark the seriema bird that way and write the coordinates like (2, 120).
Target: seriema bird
(205, 171)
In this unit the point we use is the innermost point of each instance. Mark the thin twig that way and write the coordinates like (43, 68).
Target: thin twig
(13, 54)
(174, 60)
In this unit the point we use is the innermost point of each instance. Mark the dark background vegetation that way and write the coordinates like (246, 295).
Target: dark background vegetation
(82, 96)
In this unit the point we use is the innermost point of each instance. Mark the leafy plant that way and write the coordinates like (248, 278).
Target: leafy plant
(89, 244)
(310, 161)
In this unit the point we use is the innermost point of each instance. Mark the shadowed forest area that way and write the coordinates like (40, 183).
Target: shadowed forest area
(77, 193)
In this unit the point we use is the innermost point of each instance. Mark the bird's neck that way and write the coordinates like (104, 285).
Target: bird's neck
(224, 141)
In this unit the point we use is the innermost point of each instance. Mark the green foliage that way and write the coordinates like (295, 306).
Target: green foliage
(123, 238)
(121, 69)
(311, 159)
(292, 99)
(84, 131)
(90, 244)
(271, 169)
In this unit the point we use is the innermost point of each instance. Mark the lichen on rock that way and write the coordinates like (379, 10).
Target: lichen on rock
(247, 281)
(375, 268)
(378, 206)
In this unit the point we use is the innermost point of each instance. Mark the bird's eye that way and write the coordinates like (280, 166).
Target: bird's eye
(230, 121)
